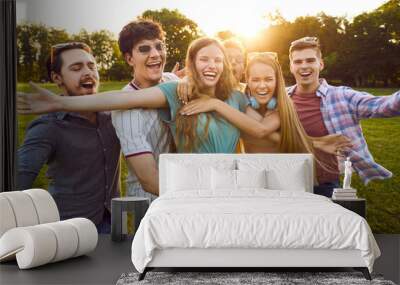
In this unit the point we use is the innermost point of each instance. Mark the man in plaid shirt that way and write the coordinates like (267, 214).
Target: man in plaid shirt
(324, 109)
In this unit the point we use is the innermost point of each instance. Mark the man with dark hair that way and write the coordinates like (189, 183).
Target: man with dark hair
(142, 133)
(325, 109)
(80, 149)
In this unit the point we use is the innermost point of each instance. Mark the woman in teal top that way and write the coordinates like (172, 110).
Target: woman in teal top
(222, 135)
(208, 69)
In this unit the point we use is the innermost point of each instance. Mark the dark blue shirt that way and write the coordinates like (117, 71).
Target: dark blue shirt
(82, 158)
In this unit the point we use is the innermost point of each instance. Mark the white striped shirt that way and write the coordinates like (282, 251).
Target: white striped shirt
(141, 131)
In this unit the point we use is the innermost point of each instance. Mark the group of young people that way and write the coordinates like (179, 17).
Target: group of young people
(210, 110)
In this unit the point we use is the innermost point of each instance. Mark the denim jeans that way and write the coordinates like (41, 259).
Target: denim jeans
(326, 189)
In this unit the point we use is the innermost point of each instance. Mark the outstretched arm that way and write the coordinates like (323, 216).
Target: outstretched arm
(248, 125)
(44, 101)
(335, 144)
(365, 105)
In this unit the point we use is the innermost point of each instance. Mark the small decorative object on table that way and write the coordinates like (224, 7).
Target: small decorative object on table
(345, 193)
(347, 196)
(119, 208)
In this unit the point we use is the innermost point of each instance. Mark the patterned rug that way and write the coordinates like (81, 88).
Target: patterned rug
(243, 278)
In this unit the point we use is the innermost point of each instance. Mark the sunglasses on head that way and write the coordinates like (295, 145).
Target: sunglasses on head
(58, 48)
(147, 48)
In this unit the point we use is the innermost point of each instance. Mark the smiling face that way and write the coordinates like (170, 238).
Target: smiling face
(305, 65)
(261, 82)
(147, 60)
(78, 74)
(209, 65)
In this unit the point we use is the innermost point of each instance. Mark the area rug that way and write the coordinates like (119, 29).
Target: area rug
(244, 278)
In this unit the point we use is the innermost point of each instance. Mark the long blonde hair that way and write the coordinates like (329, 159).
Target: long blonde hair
(293, 136)
(186, 126)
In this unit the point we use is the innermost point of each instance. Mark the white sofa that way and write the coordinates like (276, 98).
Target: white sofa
(31, 231)
(247, 210)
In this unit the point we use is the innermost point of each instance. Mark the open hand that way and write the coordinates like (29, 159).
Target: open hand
(200, 105)
(185, 90)
(178, 72)
(335, 144)
(42, 101)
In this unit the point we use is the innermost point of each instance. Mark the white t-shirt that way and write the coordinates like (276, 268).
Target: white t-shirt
(141, 131)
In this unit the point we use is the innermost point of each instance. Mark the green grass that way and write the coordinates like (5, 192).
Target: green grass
(383, 197)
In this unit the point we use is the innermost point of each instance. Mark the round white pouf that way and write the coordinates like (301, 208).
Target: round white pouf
(40, 244)
(45, 205)
(7, 218)
(87, 235)
(67, 239)
(23, 208)
(33, 246)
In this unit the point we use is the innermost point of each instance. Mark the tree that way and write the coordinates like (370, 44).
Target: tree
(374, 46)
(33, 49)
(25, 52)
(119, 69)
(180, 32)
(102, 43)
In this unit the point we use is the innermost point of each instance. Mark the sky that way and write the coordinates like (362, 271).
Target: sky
(245, 18)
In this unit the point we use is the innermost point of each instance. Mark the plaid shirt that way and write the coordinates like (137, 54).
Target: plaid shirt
(342, 109)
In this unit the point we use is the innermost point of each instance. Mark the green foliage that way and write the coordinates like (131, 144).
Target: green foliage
(118, 71)
(33, 49)
(374, 46)
(103, 47)
(180, 32)
(34, 44)
(364, 52)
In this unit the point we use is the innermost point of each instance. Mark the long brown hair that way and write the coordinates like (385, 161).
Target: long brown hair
(186, 126)
(293, 136)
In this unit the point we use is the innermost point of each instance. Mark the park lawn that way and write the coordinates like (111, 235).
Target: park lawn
(382, 135)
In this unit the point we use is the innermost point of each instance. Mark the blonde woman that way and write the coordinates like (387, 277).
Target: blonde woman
(269, 104)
